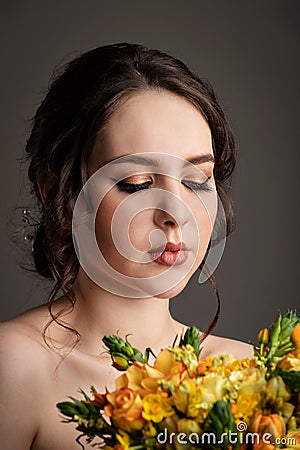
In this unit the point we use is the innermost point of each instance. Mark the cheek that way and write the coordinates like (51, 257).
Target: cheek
(139, 230)
(104, 218)
(110, 226)
(204, 212)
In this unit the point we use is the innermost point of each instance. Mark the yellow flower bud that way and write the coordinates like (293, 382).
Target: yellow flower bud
(120, 363)
(264, 336)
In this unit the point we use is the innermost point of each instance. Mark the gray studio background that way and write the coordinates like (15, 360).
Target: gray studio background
(249, 51)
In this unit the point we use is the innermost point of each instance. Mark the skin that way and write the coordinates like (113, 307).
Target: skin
(33, 376)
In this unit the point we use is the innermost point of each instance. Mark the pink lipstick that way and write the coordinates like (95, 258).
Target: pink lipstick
(170, 254)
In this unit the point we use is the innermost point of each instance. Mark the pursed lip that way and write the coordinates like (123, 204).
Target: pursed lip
(170, 253)
(169, 247)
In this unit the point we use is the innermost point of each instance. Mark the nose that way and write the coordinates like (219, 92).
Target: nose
(171, 211)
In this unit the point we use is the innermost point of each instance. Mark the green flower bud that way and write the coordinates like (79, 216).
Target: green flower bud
(191, 337)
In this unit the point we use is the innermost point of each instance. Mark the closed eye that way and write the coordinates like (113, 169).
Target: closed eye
(132, 187)
(123, 186)
(195, 186)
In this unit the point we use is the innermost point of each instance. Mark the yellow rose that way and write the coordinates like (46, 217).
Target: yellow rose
(248, 381)
(125, 409)
(141, 378)
(172, 370)
(165, 361)
(289, 362)
(157, 407)
(211, 388)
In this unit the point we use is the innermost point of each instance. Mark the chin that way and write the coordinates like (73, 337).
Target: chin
(174, 291)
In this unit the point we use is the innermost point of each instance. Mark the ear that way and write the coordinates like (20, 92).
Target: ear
(45, 182)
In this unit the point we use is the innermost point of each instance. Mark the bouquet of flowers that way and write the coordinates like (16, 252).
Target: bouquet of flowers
(184, 402)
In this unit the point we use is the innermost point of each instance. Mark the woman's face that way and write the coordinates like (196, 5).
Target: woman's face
(165, 188)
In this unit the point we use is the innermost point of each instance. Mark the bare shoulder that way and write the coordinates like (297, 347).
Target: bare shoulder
(214, 345)
(18, 338)
(23, 334)
(22, 352)
(22, 371)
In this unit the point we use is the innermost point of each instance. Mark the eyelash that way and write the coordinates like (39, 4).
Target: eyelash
(191, 185)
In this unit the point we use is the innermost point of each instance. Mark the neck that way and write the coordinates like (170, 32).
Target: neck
(98, 313)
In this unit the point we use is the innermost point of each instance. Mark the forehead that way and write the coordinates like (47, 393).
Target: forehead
(153, 121)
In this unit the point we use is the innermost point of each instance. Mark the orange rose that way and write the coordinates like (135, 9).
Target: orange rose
(125, 409)
(273, 424)
(295, 336)
(293, 439)
(144, 379)
(263, 446)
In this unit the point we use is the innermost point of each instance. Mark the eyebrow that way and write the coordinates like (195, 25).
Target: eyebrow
(144, 160)
(200, 159)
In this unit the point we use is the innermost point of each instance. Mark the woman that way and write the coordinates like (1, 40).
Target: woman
(151, 145)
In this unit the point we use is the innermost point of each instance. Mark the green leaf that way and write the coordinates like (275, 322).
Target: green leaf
(291, 378)
(280, 334)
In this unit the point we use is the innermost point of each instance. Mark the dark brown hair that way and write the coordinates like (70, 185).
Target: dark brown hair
(80, 100)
